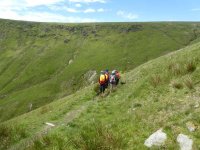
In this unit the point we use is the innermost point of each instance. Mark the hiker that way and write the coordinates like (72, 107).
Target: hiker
(113, 80)
(102, 82)
(107, 78)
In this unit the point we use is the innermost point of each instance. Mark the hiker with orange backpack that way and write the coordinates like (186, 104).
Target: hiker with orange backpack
(112, 80)
(102, 82)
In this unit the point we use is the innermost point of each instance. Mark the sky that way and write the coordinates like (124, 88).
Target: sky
(69, 11)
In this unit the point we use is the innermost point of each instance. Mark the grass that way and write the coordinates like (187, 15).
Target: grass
(177, 85)
(191, 66)
(155, 80)
(11, 134)
(189, 83)
(103, 138)
(34, 59)
(54, 141)
(123, 119)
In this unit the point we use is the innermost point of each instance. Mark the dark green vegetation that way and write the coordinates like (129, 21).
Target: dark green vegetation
(34, 57)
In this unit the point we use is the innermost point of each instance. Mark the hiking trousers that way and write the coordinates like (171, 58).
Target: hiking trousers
(102, 88)
(106, 84)
(117, 81)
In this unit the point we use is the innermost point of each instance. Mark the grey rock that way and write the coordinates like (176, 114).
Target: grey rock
(156, 139)
(185, 142)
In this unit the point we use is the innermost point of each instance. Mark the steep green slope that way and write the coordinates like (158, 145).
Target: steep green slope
(163, 93)
(34, 57)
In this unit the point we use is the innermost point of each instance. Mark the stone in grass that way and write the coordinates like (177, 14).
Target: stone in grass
(185, 142)
(191, 127)
(71, 61)
(156, 139)
(50, 124)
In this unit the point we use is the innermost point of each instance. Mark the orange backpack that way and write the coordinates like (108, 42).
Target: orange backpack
(107, 76)
(102, 79)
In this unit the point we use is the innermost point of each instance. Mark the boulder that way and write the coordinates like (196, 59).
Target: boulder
(185, 142)
(156, 139)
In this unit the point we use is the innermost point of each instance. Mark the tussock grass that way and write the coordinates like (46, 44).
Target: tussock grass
(45, 109)
(190, 66)
(177, 84)
(176, 69)
(135, 105)
(10, 134)
(179, 68)
(189, 83)
(102, 138)
(52, 141)
(155, 80)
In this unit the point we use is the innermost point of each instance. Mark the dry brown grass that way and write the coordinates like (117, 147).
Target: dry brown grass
(155, 80)
(189, 83)
(175, 69)
(190, 66)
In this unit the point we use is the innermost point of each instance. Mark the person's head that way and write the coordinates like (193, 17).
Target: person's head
(102, 72)
(113, 72)
(106, 70)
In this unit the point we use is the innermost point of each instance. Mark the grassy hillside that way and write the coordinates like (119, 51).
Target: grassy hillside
(34, 57)
(163, 93)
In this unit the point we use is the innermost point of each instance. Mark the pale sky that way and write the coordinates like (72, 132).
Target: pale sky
(100, 10)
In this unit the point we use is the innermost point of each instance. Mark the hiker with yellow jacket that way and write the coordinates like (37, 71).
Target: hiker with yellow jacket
(102, 82)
